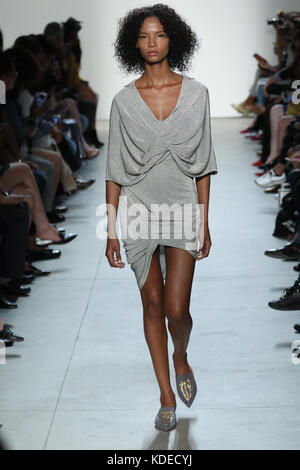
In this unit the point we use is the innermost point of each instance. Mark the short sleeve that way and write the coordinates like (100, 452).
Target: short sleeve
(114, 164)
(206, 147)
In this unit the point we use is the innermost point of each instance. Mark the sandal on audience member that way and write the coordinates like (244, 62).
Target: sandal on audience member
(42, 243)
(35, 271)
(65, 238)
(93, 153)
(59, 229)
(81, 184)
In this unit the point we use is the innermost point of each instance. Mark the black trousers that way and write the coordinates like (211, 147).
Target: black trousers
(266, 137)
(14, 221)
(89, 110)
(294, 180)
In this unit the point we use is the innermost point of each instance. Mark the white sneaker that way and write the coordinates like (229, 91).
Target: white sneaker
(270, 179)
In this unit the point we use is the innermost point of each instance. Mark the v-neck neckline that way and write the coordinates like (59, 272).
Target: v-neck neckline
(148, 108)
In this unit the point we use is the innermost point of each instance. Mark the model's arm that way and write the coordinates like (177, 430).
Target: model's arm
(113, 245)
(203, 190)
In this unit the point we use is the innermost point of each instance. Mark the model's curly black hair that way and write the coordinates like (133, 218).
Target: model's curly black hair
(183, 41)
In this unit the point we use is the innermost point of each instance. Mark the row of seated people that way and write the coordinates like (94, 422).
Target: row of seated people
(47, 134)
(274, 100)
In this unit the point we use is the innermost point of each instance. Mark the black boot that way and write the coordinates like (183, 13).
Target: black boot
(6, 304)
(14, 288)
(290, 252)
(8, 335)
(92, 139)
(290, 299)
(297, 328)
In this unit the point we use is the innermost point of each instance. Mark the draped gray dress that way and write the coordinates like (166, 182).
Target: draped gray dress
(155, 163)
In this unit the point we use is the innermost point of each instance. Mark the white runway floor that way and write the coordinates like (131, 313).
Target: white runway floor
(83, 377)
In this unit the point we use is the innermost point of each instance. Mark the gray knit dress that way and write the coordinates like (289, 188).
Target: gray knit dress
(155, 163)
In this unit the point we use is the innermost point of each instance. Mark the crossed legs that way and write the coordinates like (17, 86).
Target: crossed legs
(20, 179)
(279, 124)
(169, 301)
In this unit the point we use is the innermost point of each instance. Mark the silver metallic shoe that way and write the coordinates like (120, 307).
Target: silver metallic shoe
(186, 387)
(166, 419)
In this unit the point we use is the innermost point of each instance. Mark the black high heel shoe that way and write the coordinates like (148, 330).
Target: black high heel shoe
(6, 304)
(36, 272)
(266, 167)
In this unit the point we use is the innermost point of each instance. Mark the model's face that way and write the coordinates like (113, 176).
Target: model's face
(152, 38)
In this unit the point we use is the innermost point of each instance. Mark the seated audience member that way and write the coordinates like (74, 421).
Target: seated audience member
(59, 76)
(14, 221)
(277, 129)
(88, 99)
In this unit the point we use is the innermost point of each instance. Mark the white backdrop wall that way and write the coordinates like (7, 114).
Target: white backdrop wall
(230, 32)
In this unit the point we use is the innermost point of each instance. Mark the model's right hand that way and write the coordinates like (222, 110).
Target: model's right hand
(112, 253)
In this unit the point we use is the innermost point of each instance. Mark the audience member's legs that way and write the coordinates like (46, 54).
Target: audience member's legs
(14, 243)
(275, 115)
(49, 169)
(86, 94)
(72, 112)
(20, 178)
(253, 92)
(283, 124)
(56, 159)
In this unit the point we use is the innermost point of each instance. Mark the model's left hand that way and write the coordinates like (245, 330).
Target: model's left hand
(204, 251)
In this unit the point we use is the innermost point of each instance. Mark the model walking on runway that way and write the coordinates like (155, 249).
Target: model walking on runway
(160, 152)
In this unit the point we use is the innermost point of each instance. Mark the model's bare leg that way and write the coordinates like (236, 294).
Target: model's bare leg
(180, 266)
(156, 334)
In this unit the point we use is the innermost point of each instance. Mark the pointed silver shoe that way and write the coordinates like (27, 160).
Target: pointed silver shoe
(186, 387)
(165, 419)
